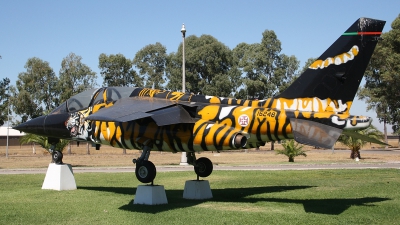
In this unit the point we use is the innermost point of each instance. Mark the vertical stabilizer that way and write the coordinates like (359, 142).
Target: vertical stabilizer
(337, 73)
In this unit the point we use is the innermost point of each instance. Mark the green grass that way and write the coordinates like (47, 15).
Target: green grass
(370, 196)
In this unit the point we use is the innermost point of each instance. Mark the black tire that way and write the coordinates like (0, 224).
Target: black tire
(204, 167)
(57, 157)
(145, 172)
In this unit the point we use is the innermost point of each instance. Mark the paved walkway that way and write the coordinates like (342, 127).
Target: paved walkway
(395, 165)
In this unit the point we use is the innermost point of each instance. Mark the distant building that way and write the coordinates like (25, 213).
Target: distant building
(13, 136)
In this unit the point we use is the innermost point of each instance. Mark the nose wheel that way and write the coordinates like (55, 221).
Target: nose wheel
(56, 157)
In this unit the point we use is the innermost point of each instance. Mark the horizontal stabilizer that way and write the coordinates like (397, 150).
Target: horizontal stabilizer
(363, 137)
(314, 134)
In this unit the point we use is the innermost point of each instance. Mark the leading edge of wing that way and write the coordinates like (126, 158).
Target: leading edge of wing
(163, 111)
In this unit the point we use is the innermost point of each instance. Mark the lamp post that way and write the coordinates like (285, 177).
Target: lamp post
(8, 121)
(183, 31)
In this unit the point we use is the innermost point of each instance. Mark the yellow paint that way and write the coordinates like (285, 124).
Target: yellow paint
(213, 135)
(337, 60)
(354, 121)
(176, 95)
(209, 112)
(266, 113)
(306, 114)
(296, 113)
(215, 100)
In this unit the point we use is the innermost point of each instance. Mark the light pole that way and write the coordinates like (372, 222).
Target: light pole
(8, 120)
(183, 30)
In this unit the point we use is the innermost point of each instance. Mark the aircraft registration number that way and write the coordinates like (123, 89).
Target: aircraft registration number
(266, 113)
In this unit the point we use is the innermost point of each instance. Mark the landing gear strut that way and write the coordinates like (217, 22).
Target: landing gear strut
(203, 166)
(145, 170)
(56, 156)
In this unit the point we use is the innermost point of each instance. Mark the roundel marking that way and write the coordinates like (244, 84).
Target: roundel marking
(243, 120)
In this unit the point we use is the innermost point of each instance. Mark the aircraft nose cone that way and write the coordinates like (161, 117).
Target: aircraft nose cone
(49, 125)
(34, 126)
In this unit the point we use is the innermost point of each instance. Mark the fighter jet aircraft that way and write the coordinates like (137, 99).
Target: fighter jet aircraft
(314, 110)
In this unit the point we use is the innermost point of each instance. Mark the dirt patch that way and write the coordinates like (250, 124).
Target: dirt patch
(23, 157)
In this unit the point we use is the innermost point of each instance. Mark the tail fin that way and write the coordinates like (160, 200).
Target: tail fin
(337, 73)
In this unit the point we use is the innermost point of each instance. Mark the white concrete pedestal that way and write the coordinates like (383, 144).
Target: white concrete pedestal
(197, 189)
(59, 177)
(150, 195)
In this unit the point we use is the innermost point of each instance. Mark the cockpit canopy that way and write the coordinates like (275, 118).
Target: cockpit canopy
(91, 97)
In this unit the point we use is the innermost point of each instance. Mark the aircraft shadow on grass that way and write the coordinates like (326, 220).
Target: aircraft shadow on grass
(237, 195)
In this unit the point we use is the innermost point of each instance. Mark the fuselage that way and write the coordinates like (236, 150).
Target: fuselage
(217, 123)
(220, 123)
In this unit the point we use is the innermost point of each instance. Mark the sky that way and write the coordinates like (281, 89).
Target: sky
(50, 30)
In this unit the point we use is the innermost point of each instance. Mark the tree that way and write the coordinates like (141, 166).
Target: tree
(42, 141)
(266, 71)
(307, 64)
(117, 70)
(74, 77)
(286, 71)
(36, 90)
(382, 75)
(4, 100)
(151, 61)
(209, 63)
(292, 149)
(355, 144)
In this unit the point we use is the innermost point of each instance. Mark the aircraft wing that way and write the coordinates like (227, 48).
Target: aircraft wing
(162, 111)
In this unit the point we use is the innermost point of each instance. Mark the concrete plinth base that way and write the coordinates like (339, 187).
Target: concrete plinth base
(59, 177)
(197, 189)
(150, 195)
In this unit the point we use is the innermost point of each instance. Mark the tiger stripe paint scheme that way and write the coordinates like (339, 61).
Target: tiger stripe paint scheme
(217, 124)
(322, 95)
(313, 110)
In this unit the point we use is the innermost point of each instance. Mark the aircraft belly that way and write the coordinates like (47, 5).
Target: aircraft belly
(133, 134)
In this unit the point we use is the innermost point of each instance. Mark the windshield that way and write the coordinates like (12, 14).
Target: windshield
(76, 102)
(84, 99)
(115, 93)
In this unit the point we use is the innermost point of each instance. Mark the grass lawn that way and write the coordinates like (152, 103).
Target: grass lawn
(370, 196)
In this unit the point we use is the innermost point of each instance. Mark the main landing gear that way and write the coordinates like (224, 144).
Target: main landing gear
(146, 171)
(203, 166)
(56, 156)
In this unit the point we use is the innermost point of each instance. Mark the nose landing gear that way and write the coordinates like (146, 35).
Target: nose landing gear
(56, 156)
